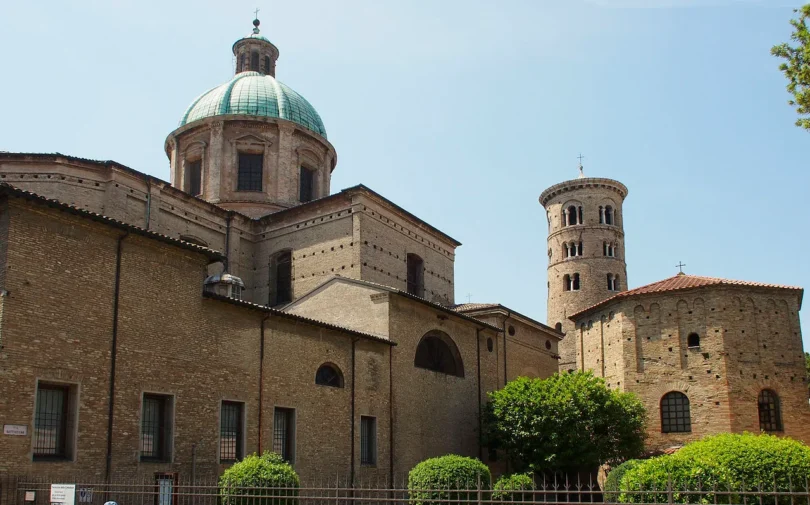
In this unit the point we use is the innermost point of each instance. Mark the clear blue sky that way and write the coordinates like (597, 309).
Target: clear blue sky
(463, 111)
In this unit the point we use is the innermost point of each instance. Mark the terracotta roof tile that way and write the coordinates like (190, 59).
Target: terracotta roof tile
(465, 307)
(679, 282)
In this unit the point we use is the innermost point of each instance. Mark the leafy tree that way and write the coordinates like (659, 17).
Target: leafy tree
(437, 481)
(797, 66)
(568, 422)
(260, 480)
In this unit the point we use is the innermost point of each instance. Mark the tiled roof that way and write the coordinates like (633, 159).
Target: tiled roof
(8, 189)
(681, 282)
(481, 309)
(296, 317)
(467, 307)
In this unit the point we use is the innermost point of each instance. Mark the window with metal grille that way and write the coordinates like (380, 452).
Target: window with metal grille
(283, 273)
(51, 422)
(306, 182)
(770, 415)
(254, 61)
(231, 418)
(675, 416)
(329, 375)
(155, 427)
(284, 433)
(250, 172)
(195, 178)
(415, 275)
(368, 440)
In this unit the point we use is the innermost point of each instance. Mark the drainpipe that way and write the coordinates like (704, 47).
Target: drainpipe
(113, 355)
(228, 220)
(351, 471)
(478, 371)
(505, 334)
(391, 415)
(261, 378)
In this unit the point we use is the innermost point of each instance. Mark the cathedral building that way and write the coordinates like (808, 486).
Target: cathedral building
(155, 329)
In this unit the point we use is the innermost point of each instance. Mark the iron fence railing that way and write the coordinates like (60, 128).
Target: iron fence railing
(169, 489)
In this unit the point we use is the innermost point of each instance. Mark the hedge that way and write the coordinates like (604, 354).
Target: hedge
(725, 462)
(614, 479)
(435, 480)
(242, 483)
(510, 487)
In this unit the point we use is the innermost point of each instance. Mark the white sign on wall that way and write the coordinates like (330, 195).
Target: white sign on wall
(19, 430)
(63, 494)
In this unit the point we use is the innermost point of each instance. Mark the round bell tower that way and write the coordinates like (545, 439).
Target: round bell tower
(585, 251)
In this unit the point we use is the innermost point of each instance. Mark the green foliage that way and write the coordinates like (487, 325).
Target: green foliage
(725, 462)
(513, 487)
(241, 483)
(797, 65)
(436, 480)
(567, 422)
(614, 479)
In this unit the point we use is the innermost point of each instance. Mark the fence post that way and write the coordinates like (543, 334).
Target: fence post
(670, 498)
(480, 494)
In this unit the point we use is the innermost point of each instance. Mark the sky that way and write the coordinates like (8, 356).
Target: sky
(463, 112)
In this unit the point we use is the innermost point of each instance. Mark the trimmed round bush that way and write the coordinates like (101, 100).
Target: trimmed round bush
(513, 487)
(260, 480)
(440, 480)
(614, 479)
(727, 463)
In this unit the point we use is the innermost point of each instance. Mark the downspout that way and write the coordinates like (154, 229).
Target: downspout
(351, 471)
(261, 378)
(113, 355)
(478, 371)
(391, 415)
(148, 215)
(505, 334)
(228, 220)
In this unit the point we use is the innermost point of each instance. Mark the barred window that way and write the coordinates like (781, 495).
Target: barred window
(250, 172)
(329, 375)
(306, 183)
(51, 422)
(368, 440)
(675, 416)
(195, 178)
(156, 429)
(770, 415)
(231, 423)
(284, 433)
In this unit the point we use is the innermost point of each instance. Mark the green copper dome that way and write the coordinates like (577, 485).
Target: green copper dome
(255, 94)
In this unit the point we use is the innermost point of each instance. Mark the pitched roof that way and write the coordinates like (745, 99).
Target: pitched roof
(9, 190)
(474, 309)
(681, 282)
(469, 307)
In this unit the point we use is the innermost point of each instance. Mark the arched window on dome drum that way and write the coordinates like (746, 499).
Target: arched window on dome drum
(242, 63)
(675, 414)
(306, 184)
(254, 61)
(249, 177)
(281, 278)
(266, 65)
(195, 178)
(437, 351)
(329, 375)
(770, 412)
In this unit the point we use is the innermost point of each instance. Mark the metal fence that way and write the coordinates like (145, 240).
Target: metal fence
(169, 489)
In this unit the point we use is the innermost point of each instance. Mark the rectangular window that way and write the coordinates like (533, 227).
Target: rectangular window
(195, 178)
(156, 430)
(284, 433)
(250, 172)
(415, 275)
(231, 431)
(52, 422)
(254, 61)
(368, 440)
(306, 182)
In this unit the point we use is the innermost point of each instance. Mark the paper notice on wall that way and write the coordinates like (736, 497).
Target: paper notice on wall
(63, 494)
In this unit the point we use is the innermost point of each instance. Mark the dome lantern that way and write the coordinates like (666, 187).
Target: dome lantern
(255, 53)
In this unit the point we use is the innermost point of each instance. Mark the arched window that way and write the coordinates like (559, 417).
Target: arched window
(572, 215)
(566, 282)
(415, 275)
(616, 285)
(770, 413)
(575, 282)
(693, 341)
(566, 250)
(601, 215)
(329, 375)
(675, 416)
(611, 282)
(437, 351)
(558, 327)
(281, 278)
(608, 215)
(254, 61)
(267, 65)
(608, 249)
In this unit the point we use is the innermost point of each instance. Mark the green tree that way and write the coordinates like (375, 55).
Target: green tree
(797, 65)
(259, 480)
(568, 422)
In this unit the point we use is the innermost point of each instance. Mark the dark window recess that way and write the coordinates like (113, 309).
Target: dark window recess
(254, 61)
(368, 440)
(558, 327)
(267, 65)
(416, 282)
(490, 345)
(329, 375)
(675, 416)
(284, 432)
(282, 269)
(770, 414)
(51, 422)
(548, 344)
(306, 181)
(575, 283)
(243, 63)
(155, 428)
(693, 340)
(231, 422)
(511, 330)
(250, 172)
(608, 215)
(165, 483)
(195, 178)
(437, 352)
